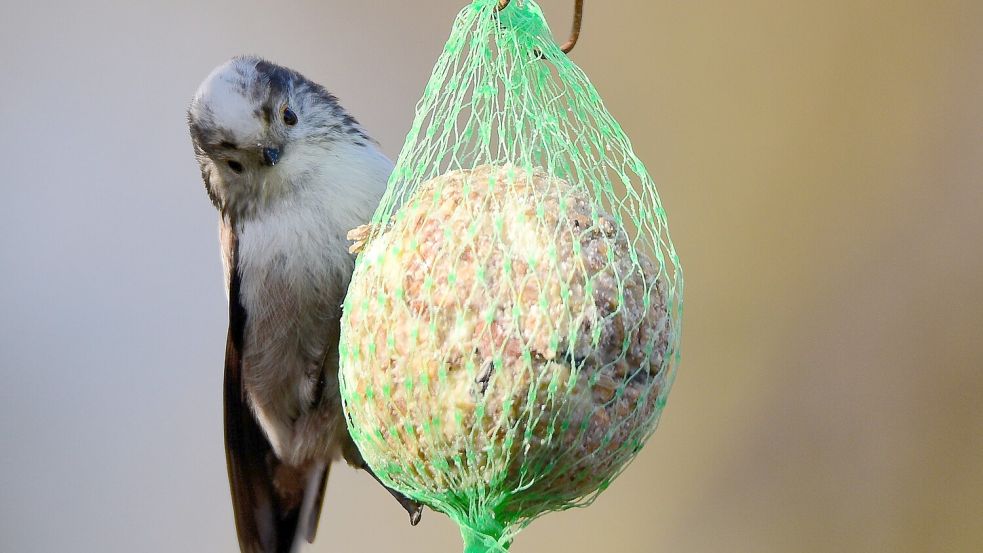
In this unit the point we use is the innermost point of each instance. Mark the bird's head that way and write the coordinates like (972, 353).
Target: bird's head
(256, 125)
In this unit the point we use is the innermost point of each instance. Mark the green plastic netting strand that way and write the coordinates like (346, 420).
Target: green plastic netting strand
(512, 327)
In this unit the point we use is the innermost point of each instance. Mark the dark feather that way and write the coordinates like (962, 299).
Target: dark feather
(315, 514)
(267, 496)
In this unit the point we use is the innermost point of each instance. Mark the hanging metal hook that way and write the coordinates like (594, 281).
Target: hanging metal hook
(578, 19)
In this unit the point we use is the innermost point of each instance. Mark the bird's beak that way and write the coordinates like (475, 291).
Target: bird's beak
(271, 155)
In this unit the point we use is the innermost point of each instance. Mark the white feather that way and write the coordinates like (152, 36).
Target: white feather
(221, 92)
(286, 253)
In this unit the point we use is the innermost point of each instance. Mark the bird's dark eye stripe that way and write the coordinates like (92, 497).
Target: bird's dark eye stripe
(235, 165)
(227, 144)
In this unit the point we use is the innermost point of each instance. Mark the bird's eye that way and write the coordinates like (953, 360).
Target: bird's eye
(289, 117)
(235, 165)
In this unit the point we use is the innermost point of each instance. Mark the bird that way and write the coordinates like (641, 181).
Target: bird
(290, 171)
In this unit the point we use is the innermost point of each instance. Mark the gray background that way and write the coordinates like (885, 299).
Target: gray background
(821, 164)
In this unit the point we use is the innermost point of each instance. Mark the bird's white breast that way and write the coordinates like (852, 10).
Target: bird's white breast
(295, 268)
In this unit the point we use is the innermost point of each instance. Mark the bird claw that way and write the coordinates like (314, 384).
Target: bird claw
(414, 509)
(359, 236)
(416, 514)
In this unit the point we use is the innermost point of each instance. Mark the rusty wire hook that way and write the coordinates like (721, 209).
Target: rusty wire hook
(578, 19)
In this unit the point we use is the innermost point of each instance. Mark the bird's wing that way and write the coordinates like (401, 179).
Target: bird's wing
(267, 496)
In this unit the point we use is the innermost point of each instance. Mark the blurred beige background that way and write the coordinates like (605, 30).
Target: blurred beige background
(822, 166)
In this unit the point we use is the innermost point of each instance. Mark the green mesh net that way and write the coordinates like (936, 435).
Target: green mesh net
(511, 331)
